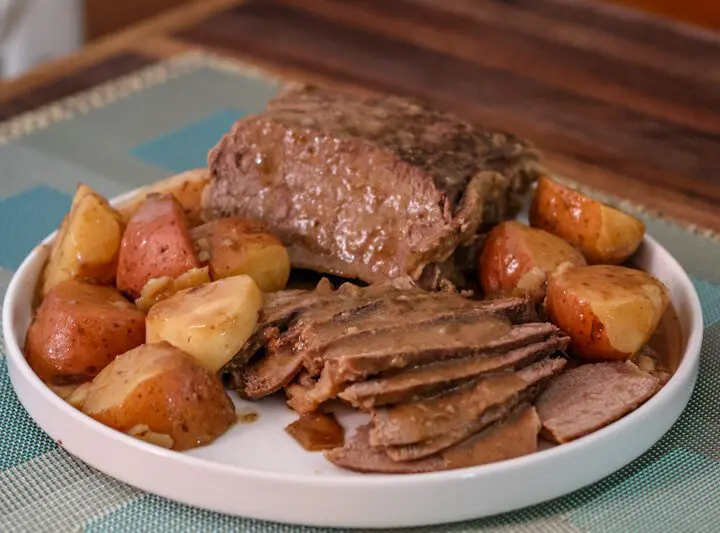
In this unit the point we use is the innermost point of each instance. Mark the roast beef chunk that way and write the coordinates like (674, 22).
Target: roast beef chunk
(427, 380)
(514, 437)
(422, 428)
(592, 396)
(366, 188)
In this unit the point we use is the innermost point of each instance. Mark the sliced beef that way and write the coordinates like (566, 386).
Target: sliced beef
(364, 356)
(271, 373)
(592, 396)
(282, 308)
(427, 380)
(414, 345)
(368, 188)
(309, 397)
(514, 437)
(418, 429)
(397, 309)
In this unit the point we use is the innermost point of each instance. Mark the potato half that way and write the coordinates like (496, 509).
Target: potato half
(211, 322)
(160, 394)
(604, 235)
(186, 187)
(609, 312)
(516, 260)
(234, 246)
(87, 244)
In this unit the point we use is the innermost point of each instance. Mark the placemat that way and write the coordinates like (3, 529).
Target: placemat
(162, 120)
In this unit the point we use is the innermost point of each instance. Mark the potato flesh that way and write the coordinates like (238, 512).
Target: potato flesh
(625, 303)
(129, 370)
(87, 243)
(210, 322)
(158, 289)
(619, 236)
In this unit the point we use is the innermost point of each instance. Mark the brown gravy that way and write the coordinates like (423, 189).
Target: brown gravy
(665, 347)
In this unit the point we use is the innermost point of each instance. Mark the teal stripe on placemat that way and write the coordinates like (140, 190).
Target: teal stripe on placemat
(26, 219)
(187, 147)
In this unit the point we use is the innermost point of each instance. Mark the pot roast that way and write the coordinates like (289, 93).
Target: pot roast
(369, 188)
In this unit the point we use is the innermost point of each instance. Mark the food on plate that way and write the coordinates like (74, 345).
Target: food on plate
(187, 188)
(604, 234)
(211, 322)
(158, 393)
(87, 244)
(516, 260)
(433, 369)
(592, 396)
(372, 188)
(609, 312)
(78, 329)
(233, 246)
(158, 289)
(515, 437)
(387, 191)
(317, 431)
(156, 243)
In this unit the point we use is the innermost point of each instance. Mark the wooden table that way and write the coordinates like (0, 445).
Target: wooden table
(621, 101)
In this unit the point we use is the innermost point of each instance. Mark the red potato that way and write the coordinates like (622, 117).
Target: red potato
(516, 260)
(156, 243)
(79, 329)
(604, 235)
(609, 312)
(159, 394)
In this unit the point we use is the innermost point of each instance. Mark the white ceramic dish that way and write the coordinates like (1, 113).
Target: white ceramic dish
(256, 470)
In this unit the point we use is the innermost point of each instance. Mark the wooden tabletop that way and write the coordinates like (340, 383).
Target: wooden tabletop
(621, 101)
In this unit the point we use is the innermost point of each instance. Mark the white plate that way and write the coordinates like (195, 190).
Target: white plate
(258, 471)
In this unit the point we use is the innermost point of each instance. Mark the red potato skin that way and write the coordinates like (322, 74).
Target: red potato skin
(505, 258)
(164, 404)
(79, 329)
(156, 243)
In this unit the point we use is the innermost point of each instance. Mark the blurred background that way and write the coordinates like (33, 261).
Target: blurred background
(35, 31)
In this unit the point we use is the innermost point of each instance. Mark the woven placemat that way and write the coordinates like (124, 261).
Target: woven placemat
(162, 120)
